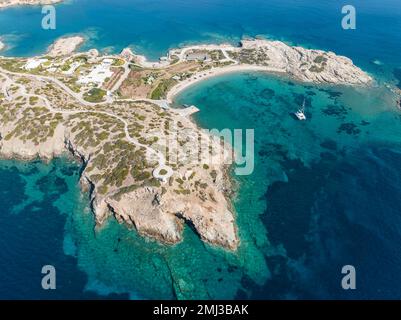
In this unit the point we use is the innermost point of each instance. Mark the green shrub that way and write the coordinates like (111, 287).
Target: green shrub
(95, 95)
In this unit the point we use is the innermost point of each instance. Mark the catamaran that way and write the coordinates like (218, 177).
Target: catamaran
(300, 114)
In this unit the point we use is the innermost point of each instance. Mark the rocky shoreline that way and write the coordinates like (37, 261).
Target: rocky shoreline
(44, 118)
(305, 65)
(155, 211)
(13, 3)
(65, 46)
(144, 199)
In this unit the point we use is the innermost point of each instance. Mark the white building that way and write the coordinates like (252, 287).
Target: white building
(98, 74)
(34, 63)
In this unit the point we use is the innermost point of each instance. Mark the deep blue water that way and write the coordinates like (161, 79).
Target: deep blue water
(32, 230)
(324, 193)
(152, 27)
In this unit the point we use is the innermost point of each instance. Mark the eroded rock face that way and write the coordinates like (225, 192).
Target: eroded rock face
(162, 217)
(158, 212)
(38, 119)
(213, 220)
(27, 150)
(157, 216)
(139, 209)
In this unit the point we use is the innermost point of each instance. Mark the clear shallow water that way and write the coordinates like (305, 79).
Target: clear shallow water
(319, 198)
(47, 220)
(37, 201)
(324, 193)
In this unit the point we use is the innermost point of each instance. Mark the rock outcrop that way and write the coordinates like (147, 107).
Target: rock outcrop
(155, 195)
(309, 65)
(157, 211)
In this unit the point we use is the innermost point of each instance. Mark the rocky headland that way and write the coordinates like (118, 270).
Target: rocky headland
(144, 163)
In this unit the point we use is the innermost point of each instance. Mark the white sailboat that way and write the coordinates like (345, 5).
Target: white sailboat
(300, 114)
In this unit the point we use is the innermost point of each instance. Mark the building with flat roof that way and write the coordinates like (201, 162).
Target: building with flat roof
(99, 74)
(34, 63)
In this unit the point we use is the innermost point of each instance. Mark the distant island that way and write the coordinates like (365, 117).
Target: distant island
(12, 3)
(112, 112)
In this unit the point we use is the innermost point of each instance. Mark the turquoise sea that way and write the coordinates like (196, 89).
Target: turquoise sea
(325, 193)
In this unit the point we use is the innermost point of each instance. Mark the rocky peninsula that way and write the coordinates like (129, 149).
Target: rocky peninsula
(144, 163)
(65, 46)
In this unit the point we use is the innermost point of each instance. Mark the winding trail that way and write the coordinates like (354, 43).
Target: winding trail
(23, 92)
(63, 86)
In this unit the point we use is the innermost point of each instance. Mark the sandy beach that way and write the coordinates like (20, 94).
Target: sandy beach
(201, 76)
(281, 59)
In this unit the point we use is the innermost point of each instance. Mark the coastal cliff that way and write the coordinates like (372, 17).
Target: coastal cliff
(145, 164)
(118, 174)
